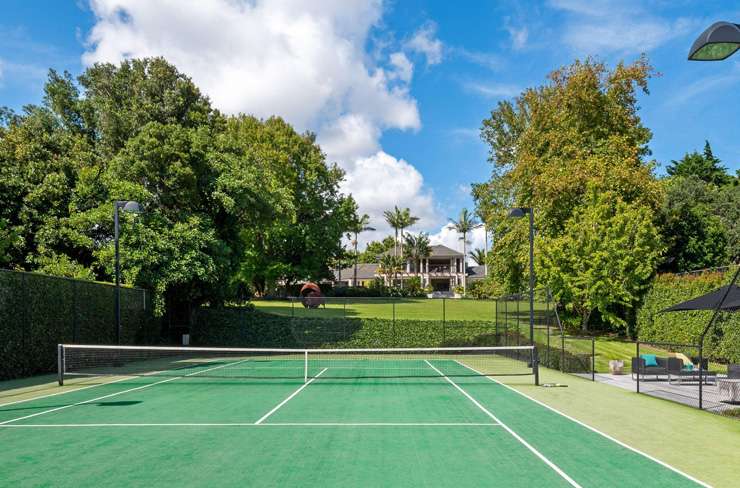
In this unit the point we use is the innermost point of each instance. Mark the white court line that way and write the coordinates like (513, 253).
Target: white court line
(593, 429)
(264, 417)
(241, 424)
(117, 393)
(526, 444)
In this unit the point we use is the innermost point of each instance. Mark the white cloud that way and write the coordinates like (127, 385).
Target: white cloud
(404, 68)
(518, 35)
(611, 26)
(424, 41)
(713, 83)
(487, 60)
(492, 90)
(304, 61)
(448, 236)
(379, 182)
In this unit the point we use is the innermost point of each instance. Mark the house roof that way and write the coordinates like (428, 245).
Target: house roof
(439, 251)
(365, 271)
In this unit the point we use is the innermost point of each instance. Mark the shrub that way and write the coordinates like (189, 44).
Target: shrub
(722, 343)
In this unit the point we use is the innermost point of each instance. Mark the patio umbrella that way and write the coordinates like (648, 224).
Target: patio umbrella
(710, 301)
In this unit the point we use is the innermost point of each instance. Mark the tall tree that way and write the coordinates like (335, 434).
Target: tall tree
(394, 218)
(604, 259)
(464, 225)
(406, 221)
(579, 130)
(705, 166)
(358, 226)
(694, 233)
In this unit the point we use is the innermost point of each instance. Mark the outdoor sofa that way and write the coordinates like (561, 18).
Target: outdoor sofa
(639, 367)
(677, 371)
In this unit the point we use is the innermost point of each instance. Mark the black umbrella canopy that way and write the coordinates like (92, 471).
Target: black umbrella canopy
(711, 300)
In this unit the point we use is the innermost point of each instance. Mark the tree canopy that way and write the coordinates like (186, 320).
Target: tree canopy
(230, 201)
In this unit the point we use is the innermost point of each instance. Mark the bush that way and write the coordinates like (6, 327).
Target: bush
(722, 343)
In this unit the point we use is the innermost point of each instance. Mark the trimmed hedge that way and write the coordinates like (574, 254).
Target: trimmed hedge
(243, 327)
(37, 312)
(722, 343)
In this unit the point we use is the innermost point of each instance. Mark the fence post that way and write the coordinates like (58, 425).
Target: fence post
(393, 325)
(547, 351)
(444, 319)
(701, 379)
(593, 359)
(637, 355)
(74, 311)
(498, 343)
(562, 352)
(518, 331)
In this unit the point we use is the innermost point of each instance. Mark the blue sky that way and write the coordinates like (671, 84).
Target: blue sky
(396, 91)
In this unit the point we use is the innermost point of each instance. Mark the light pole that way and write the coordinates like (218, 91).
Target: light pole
(126, 206)
(517, 213)
(720, 41)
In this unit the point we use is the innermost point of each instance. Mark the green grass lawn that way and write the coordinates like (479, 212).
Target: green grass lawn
(402, 309)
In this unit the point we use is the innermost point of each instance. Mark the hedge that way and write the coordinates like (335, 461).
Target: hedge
(722, 342)
(244, 327)
(37, 312)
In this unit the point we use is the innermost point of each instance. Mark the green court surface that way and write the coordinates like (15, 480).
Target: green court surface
(442, 428)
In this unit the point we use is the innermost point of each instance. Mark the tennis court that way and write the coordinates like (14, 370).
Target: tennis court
(196, 417)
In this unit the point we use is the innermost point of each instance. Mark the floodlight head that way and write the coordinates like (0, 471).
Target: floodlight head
(129, 206)
(518, 212)
(718, 42)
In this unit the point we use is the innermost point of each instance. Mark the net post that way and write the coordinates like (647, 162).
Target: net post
(701, 380)
(536, 366)
(305, 366)
(60, 364)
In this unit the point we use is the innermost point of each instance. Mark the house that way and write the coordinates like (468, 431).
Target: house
(442, 270)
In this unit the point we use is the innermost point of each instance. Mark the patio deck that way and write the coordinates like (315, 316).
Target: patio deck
(686, 392)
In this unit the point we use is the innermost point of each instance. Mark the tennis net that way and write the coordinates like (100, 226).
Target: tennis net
(303, 364)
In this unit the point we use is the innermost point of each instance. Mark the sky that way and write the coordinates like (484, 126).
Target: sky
(395, 90)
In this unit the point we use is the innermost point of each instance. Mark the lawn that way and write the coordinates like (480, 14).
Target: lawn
(403, 309)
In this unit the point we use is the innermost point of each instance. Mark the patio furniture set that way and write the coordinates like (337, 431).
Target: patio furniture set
(675, 369)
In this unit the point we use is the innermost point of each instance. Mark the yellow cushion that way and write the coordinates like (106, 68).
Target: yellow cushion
(682, 357)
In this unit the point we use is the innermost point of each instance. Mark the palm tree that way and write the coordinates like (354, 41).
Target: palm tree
(407, 220)
(479, 256)
(417, 248)
(395, 219)
(361, 224)
(465, 224)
